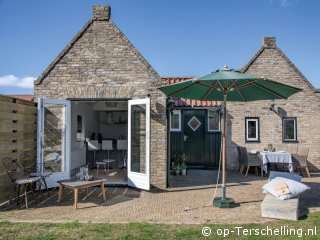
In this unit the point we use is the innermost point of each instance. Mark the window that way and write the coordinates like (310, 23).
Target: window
(175, 121)
(194, 123)
(289, 129)
(213, 120)
(252, 129)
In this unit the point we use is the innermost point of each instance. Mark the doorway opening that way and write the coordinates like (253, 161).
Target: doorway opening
(110, 137)
(99, 139)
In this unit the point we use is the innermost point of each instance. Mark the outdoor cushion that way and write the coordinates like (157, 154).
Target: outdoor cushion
(296, 188)
(292, 176)
(281, 189)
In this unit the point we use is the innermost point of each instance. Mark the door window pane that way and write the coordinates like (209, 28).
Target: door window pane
(213, 120)
(194, 123)
(175, 120)
(252, 129)
(138, 138)
(289, 129)
(54, 138)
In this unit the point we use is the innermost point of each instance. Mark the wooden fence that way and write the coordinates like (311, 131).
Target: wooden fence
(18, 134)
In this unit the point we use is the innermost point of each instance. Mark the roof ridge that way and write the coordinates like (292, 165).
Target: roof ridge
(135, 50)
(259, 52)
(166, 77)
(63, 52)
(78, 36)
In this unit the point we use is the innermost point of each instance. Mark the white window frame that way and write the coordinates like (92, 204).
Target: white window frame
(295, 129)
(257, 138)
(175, 129)
(213, 130)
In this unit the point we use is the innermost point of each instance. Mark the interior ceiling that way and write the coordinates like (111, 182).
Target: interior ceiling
(106, 105)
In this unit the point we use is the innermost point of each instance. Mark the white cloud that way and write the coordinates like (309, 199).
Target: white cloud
(11, 80)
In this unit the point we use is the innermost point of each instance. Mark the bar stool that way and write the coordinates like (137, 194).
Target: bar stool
(123, 145)
(93, 145)
(107, 145)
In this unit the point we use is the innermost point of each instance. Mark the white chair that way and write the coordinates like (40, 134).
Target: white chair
(108, 146)
(123, 145)
(93, 145)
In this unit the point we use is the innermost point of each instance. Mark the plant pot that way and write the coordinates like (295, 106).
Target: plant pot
(184, 171)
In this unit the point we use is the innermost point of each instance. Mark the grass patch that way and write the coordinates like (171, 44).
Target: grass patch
(76, 230)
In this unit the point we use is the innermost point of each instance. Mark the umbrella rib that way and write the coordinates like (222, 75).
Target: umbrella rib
(206, 95)
(241, 95)
(220, 86)
(182, 89)
(269, 90)
(246, 84)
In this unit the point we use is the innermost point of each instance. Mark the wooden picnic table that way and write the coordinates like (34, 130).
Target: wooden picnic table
(77, 185)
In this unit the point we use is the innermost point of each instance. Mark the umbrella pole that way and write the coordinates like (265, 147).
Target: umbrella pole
(224, 148)
(223, 201)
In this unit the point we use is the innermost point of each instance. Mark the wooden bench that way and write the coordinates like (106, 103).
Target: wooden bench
(273, 207)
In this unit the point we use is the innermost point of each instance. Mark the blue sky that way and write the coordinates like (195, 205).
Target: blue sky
(190, 37)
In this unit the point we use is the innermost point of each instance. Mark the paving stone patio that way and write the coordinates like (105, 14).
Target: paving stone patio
(159, 206)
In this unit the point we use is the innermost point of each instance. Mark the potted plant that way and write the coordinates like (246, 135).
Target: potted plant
(177, 169)
(183, 165)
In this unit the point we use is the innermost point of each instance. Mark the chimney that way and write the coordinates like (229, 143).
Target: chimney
(269, 42)
(101, 12)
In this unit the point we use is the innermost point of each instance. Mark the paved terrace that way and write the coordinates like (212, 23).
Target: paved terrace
(159, 206)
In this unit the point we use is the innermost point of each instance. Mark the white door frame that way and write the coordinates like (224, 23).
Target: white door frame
(65, 174)
(139, 180)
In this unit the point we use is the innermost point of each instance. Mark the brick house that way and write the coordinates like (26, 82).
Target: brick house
(101, 88)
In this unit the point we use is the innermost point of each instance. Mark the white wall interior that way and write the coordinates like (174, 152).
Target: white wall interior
(110, 119)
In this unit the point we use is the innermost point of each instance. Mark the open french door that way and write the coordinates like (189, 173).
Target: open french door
(53, 146)
(139, 143)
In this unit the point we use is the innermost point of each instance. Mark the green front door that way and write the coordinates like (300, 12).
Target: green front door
(194, 136)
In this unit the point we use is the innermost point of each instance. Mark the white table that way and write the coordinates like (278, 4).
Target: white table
(276, 157)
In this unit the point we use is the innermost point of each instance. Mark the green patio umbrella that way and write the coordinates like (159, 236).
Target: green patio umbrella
(228, 85)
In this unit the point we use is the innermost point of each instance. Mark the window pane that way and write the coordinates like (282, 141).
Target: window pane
(213, 120)
(175, 120)
(252, 129)
(138, 138)
(54, 138)
(289, 129)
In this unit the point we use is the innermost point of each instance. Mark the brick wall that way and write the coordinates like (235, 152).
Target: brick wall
(100, 62)
(270, 62)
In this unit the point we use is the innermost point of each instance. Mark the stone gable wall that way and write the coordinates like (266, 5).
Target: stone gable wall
(304, 105)
(103, 64)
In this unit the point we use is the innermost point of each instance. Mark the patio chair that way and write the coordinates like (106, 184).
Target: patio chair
(300, 160)
(27, 163)
(19, 179)
(251, 160)
(240, 165)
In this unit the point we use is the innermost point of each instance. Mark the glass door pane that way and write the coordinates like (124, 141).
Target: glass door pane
(54, 137)
(138, 138)
(139, 143)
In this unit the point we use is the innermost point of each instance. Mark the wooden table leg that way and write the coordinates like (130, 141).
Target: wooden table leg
(60, 192)
(76, 198)
(103, 191)
(26, 194)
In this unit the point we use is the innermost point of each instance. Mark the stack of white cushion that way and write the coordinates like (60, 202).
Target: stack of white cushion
(292, 181)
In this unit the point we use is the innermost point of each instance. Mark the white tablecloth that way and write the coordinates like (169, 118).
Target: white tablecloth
(276, 157)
